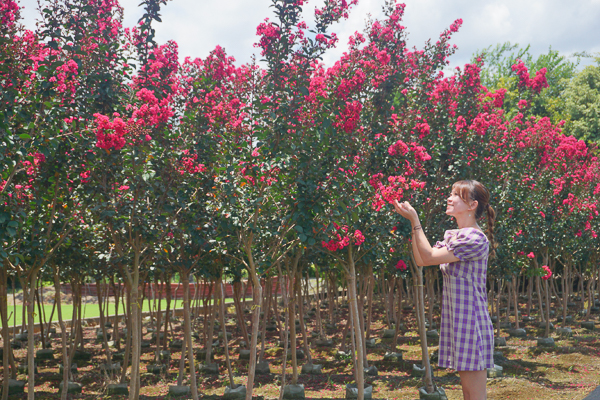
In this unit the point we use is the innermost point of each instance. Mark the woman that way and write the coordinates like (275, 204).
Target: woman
(467, 333)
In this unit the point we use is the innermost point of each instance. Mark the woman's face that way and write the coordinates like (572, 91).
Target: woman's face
(456, 206)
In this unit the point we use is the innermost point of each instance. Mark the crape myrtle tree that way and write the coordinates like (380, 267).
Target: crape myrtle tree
(43, 137)
(258, 189)
(378, 113)
(544, 166)
(137, 163)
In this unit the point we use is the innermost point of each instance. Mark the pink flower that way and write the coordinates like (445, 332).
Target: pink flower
(148, 138)
(401, 265)
(124, 187)
(255, 153)
(359, 238)
(398, 148)
(522, 104)
(531, 255)
(548, 272)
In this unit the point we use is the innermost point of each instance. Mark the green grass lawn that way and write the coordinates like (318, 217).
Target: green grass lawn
(88, 310)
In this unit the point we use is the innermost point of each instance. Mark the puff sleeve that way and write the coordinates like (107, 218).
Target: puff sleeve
(467, 244)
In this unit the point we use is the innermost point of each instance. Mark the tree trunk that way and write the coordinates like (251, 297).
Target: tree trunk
(420, 313)
(211, 307)
(168, 312)
(7, 351)
(188, 332)
(221, 290)
(41, 315)
(158, 319)
(136, 331)
(284, 283)
(182, 362)
(538, 287)
(319, 321)
(256, 299)
(116, 332)
(32, 279)
(515, 301)
(103, 327)
(529, 295)
(352, 294)
(237, 289)
(301, 316)
(128, 340)
(265, 319)
(371, 285)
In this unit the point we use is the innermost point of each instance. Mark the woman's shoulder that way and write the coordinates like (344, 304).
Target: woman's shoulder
(469, 234)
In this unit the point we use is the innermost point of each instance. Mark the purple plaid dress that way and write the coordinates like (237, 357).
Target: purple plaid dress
(467, 333)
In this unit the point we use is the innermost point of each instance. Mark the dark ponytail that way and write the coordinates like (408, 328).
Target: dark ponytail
(470, 190)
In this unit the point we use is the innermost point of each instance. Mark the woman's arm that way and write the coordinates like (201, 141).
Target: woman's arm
(416, 253)
(421, 247)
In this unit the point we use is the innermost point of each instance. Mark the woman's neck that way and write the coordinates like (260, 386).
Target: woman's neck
(466, 221)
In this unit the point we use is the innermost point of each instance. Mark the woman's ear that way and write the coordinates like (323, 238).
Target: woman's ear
(474, 205)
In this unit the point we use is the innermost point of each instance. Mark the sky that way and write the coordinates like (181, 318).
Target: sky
(200, 25)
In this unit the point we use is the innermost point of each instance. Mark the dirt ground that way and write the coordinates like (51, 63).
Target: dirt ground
(571, 370)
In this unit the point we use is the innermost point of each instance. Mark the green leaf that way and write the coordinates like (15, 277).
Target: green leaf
(24, 136)
(303, 237)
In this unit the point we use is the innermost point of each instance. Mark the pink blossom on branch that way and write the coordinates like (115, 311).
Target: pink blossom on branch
(359, 238)
(401, 265)
(548, 272)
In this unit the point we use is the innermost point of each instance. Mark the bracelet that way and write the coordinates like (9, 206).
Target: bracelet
(416, 227)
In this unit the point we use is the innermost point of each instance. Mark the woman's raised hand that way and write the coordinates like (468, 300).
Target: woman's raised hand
(406, 210)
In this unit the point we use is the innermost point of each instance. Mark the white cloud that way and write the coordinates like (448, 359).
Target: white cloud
(199, 25)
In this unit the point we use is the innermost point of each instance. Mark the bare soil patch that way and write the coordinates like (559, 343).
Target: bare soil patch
(570, 371)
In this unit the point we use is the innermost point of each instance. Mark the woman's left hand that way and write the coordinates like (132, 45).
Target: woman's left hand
(406, 210)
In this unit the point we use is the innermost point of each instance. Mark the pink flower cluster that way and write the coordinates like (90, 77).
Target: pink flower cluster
(398, 148)
(151, 112)
(394, 190)
(401, 148)
(536, 84)
(269, 33)
(498, 97)
(401, 265)
(548, 272)
(65, 71)
(484, 122)
(349, 117)
(339, 242)
(8, 13)
(110, 134)
(190, 165)
(32, 167)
